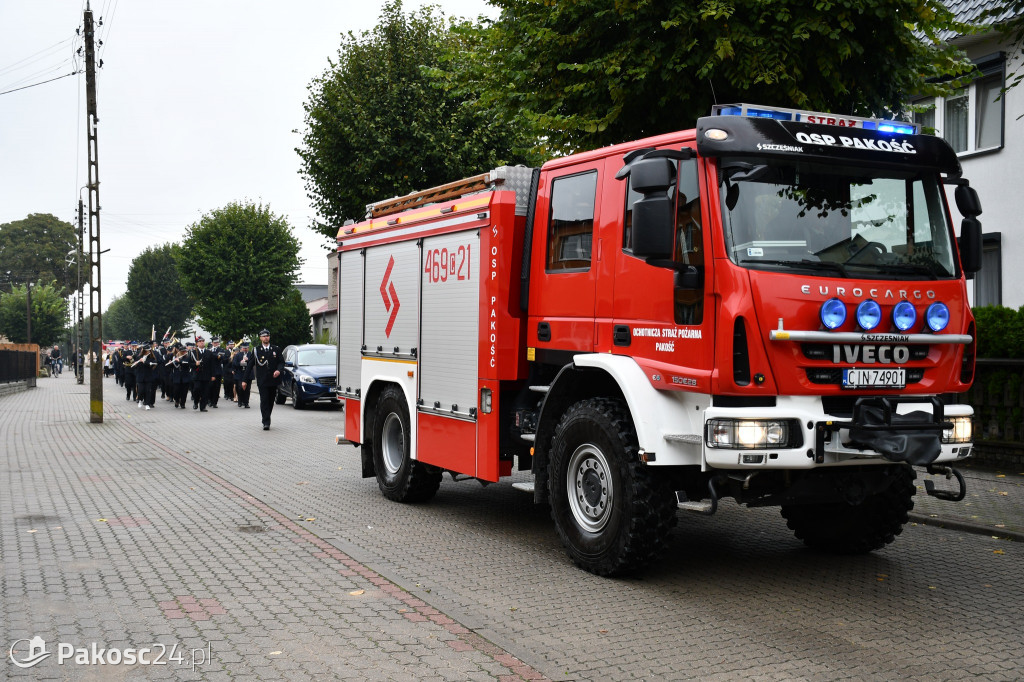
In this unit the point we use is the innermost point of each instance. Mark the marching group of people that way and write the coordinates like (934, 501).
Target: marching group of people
(179, 371)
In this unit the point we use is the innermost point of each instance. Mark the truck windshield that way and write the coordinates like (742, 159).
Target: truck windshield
(840, 221)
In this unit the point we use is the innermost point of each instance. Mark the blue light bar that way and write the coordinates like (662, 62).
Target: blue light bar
(889, 127)
(767, 113)
(836, 120)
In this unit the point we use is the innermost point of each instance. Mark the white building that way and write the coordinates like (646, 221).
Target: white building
(987, 131)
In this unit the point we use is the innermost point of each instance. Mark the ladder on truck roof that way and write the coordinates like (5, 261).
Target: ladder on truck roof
(452, 190)
(517, 178)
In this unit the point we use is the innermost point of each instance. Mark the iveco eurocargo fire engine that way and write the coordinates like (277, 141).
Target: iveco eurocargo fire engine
(770, 307)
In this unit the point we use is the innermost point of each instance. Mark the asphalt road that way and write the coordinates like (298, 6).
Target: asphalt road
(179, 526)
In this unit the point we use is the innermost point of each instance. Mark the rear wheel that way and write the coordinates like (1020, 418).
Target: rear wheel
(399, 477)
(842, 528)
(612, 514)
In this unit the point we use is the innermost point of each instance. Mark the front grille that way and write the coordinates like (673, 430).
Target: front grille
(823, 351)
(829, 375)
(327, 381)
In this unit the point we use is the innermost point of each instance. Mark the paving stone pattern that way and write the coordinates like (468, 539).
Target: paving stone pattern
(269, 547)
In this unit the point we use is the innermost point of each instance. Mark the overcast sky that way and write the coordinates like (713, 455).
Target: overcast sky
(197, 101)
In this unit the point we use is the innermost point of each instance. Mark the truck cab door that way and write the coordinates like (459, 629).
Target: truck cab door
(563, 268)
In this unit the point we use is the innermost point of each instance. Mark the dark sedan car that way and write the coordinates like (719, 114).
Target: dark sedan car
(310, 373)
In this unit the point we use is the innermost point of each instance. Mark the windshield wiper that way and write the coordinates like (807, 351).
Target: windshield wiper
(805, 264)
(912, 268)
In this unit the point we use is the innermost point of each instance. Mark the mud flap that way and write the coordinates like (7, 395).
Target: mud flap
(914, 438)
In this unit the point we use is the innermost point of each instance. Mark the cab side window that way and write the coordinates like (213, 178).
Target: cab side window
(689, 241)
(571, 222)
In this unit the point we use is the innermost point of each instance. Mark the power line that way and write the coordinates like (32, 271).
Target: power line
(31, 57)
(25, 87)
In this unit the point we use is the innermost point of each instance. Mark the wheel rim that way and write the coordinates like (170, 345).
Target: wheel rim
(393, 443)
(589, 485)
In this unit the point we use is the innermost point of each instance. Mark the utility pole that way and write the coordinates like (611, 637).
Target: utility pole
(95, 307)
(80, 328)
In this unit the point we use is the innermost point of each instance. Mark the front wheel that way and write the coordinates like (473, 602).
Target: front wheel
(280, 397)
(296, 403)
(399, 477)
(612, 514)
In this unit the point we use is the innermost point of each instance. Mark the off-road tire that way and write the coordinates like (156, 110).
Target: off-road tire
(841, 528)
(399, 477)
(620, 514)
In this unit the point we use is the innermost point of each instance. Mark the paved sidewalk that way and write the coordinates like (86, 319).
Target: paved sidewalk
(994, 504)
(109, 537)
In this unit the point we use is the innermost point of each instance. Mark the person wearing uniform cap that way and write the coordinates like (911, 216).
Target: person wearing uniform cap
(129, 358)
(229, 372)
(242, 366)
(201, 360)
(269, 367)
(220, 356)
(145, 373)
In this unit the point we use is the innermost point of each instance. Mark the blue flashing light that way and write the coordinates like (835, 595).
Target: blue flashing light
(730, 111)
(895, 128)
(937, 316)
(904, 315)
(768, 113)
(833, 313)
(869, 314)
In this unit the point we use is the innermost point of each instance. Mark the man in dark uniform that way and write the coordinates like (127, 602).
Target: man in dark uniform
(242, 365)
(145, 374)
(128, 359)
(179, 372)
(220, 356)
(229, 372)
(201, 360)
(269, 366)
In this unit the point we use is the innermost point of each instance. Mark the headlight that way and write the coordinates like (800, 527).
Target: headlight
(753, 434)
(833, 313)
(306, 379)
(937, 316)
(869, 314)
(961, 431)
(904, 315)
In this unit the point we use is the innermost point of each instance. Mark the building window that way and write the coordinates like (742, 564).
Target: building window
(970, 120)
(988, 288)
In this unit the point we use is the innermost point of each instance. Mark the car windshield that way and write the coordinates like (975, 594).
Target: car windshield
(843, 221)
(317, 356)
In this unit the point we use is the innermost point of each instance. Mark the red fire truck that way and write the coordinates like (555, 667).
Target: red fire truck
(770, 307)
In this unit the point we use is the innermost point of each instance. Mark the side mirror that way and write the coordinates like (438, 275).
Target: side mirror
(970, 244)
(967, 201)
(652, 175)
(289, 363)
(652, 227)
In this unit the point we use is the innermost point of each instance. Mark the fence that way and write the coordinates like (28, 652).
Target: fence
(997, 397)
(19, 362)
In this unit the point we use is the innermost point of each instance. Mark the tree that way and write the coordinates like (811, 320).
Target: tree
(119, 322)
(41, 247)
(241, 260)
(155, 294)
(381, 121)
(292, 324)
(49, 314)
(596, 73)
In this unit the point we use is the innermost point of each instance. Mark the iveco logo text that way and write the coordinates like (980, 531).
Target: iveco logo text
(857, 292)
(868, 355)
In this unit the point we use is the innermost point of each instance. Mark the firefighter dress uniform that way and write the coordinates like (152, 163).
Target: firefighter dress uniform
(269, 362)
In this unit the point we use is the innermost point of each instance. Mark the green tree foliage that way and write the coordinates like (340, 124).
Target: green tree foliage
(119, 322)
(292, 324)
(240, 264)
(155, 294)
(36, 248)
(588, 74)
(49, 314)
(381, 121)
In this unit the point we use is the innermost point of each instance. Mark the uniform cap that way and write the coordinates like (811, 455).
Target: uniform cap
(215, 339)
(264, 332)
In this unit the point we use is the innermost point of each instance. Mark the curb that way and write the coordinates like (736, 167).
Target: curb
(966, 526)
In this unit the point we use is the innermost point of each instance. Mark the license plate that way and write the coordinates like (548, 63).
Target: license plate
(331, 389)
(861, 377)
